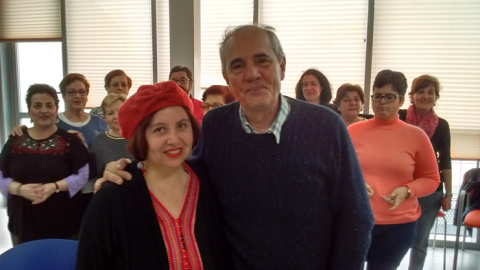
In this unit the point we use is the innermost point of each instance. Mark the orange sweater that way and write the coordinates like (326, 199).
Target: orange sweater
(393, 154)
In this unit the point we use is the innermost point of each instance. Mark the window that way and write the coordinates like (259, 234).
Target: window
(327, 35)
(30, 19)
(439, 38)
(163, 41)
(216, 16)
(38, 62)
(107, 35)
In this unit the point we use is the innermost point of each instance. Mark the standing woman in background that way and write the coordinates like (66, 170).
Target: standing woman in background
(216, 95)
(75, 88)
(349, 102)
(398, 165)
(423, 96)
(41, 172)
(116, 81)
(314, 87)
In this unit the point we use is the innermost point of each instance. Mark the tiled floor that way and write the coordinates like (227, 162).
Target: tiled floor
(467, 260)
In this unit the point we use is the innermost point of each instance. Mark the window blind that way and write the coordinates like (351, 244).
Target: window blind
(163, 40)
(327, 35)
(107, 35)
(440, 38)
(30, 20)
(215, 17)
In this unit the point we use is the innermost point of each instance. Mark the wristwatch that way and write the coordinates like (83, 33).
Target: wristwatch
(58, 188)
(408, 192)
(448, 195)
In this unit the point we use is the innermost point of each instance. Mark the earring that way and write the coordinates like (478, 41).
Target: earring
(31, 120)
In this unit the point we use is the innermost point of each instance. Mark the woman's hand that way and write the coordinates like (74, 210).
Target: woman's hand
(79, 135)
(17, 131)
(114, 172)
(32, 192)
(396, 197)
(369, 190)
(45, 192)
(447, 203)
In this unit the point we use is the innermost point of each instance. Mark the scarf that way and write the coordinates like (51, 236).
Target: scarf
(428, 122)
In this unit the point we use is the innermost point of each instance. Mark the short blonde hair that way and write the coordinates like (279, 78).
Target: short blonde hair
(111, 98)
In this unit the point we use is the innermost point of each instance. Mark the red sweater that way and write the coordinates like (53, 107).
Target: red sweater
(197, 110)
(393, 154)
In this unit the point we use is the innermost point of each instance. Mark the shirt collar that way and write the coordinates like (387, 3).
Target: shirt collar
(276, 127)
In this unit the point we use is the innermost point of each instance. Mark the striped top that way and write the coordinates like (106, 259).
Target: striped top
(178, 234)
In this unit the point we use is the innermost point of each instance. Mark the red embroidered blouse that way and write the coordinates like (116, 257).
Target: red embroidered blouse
(178, 234)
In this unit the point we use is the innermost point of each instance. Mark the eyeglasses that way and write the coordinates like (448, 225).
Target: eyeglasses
(81, 92)
(181, 81)
(387, 97)
(207, 106)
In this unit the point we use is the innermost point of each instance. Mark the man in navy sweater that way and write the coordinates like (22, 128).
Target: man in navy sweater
(284, 171)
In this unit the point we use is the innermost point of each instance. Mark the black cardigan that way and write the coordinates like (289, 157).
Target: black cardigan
(120, 229)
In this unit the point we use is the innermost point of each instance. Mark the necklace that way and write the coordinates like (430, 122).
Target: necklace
(111, 136)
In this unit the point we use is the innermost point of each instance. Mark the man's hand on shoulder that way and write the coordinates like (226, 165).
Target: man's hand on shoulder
(114, 172)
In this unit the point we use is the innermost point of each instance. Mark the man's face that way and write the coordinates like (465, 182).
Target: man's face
(181, 78)
(252, 69)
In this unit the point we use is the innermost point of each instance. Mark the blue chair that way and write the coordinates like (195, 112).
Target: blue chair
(41, 254)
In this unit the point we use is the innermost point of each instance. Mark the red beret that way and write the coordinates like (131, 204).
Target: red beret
(149, 99)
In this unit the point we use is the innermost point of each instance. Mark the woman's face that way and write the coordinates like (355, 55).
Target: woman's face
(169, 137)
(425, 98)
(43, 110)
(212, 101)
(350, 104)
(111, 113)
(311, 89)
(118, 85)
(76, 96)
(386, 110)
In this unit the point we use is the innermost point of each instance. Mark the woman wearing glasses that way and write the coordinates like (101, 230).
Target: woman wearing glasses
(74, 88)
(398, 165)
(116, 81)
(216, 95)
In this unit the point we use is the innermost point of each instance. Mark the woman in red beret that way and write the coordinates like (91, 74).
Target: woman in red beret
(164, 217)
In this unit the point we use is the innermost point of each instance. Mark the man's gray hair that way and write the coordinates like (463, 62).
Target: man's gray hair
(270, 31)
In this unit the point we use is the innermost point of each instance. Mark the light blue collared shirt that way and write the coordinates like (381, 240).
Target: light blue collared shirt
(276, 127)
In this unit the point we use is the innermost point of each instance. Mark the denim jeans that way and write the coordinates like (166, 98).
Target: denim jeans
(389, 245)
(430, 206)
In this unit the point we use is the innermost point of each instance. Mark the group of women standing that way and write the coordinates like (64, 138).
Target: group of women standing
(404, 156)
(161, 129)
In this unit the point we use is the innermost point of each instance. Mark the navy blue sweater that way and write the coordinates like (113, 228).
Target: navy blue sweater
(299, 204)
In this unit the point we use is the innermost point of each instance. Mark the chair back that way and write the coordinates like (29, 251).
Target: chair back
(41, 254)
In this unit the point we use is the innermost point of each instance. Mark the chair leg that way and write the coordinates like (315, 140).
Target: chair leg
(464, 235)
(435, 233)
(460, 207)
(445, 244)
